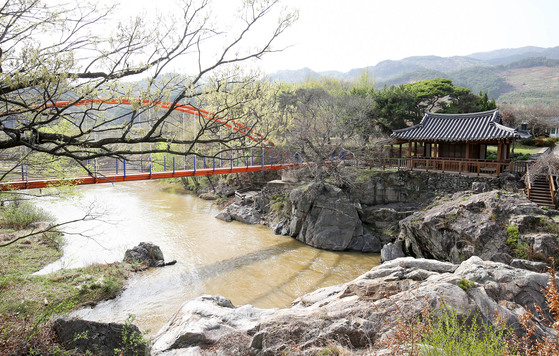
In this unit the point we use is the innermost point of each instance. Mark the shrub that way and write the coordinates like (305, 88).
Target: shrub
(133, 342)
(449, 335)
(545, 141)
(512, 235)
(466, 284)
(20, 214)
(541, 141)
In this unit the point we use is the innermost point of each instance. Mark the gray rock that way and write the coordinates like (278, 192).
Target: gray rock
(224, 216)
(205, 321)
(145, 253)
(323, 216)
(480, 187)
(383, 221)
(242, 213)
(545, 243)
(365, 242)
(530, 265)
(281, 227)
(392, 251)
(474, 225)
(360, 314)
(98, 338)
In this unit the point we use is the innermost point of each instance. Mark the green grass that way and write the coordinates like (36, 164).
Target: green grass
(20, 291)
(27, 302)
(526, 150)
(466, 284)
(521, 151)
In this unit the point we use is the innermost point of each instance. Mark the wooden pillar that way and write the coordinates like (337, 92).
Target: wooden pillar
(409, 149)
(500, 151)
(500, 156)
(400, 151)
(415, 149)
(468, 156)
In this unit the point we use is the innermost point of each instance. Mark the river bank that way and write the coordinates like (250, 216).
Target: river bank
(28, 301)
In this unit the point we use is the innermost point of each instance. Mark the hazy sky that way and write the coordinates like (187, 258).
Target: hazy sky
(341, 35)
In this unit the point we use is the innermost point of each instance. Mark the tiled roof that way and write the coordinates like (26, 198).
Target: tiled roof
(479, 126)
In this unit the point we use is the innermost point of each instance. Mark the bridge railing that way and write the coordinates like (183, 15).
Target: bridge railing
(66, 168)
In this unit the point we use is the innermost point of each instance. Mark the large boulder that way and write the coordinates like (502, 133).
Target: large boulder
(246, 214)
(360, 315)
(99, 338)
(323, 216)
(494, 225)
(206, 321)
(145, 254)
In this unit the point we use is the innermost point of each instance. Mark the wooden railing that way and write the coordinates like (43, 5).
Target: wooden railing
(552, 186)
(528, 180)
(456, 165)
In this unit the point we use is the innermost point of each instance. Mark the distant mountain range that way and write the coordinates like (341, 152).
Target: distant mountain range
(503, 73)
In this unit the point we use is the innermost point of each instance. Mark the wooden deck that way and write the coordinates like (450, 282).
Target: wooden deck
(453, 165)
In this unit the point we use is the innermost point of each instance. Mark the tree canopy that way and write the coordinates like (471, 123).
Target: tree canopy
(396, 107)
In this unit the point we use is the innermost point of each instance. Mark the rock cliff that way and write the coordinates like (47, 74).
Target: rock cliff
(323, 216)
(363, 217)
(496, 225)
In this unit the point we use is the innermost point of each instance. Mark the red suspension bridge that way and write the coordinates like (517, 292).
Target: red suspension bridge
(238, 164)
(124, 176)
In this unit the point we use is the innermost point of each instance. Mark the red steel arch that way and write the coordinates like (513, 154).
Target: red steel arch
(235, 125)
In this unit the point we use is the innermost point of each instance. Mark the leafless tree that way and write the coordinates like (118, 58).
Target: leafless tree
(58, 60)
(321, 127)
(536, 117)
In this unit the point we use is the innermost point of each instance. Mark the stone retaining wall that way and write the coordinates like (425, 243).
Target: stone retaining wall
(413, 186)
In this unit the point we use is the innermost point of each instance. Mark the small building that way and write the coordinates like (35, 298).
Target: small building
(553, 124)
(474, 142)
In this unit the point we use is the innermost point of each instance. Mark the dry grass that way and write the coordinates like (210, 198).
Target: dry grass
(425, 336)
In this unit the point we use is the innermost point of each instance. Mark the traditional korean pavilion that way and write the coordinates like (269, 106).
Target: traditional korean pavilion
(459, 140)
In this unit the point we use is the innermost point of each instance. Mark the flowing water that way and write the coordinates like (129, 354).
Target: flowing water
(245, 263)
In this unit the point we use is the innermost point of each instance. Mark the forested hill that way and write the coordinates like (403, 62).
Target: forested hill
(528, 74)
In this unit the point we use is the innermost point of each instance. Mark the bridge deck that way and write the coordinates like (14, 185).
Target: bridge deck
(113, 178)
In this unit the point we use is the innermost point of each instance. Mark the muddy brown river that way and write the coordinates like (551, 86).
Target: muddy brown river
(245, 263)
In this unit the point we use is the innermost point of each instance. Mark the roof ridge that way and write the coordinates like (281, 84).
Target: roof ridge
(471, 114)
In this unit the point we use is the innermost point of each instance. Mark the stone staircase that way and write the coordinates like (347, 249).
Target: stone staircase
(539, 192)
